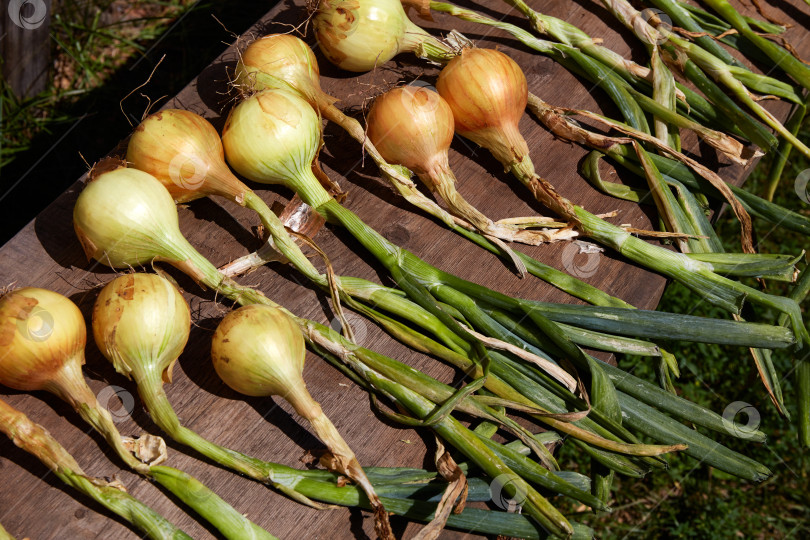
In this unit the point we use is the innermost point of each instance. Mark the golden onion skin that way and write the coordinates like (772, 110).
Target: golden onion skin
(183, 150)
(487, 92)
(141, 324)
(41, 332)
(411, 126)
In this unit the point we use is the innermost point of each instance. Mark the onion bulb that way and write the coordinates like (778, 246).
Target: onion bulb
(412, 126)
(125, 217)
(42, 335)
(259, 350)
(487, 92)
(182, 150)
(273, 137)
(141, 325)
(281, 61)
(359, 35)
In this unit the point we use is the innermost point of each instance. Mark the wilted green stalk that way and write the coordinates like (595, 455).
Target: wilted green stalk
(780, 56)
(784, 149)
(734, 78)
(35, 440)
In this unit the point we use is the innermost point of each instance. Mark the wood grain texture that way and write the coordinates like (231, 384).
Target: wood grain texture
(25, 46)
(47, 254)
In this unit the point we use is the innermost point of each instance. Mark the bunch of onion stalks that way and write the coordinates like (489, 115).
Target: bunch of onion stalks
(690, 216)
(738, 32)
(391, 300)
(122, 232)
(44, 335)
(119, 233)
(112, 495)
(284, 61)
(141, 324)
(739, 81)
(114, 232)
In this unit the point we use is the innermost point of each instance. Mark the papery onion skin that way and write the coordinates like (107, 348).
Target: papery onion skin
(258, 350)
(41, 332)
(487, 92)
(360, 35)
(184, 152)
(281, 61)
(141, 324)
(411, 126)
(143, 229)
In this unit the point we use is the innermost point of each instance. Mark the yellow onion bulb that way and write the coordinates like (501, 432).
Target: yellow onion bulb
(272, 137)
(141, 325)
(411, 126)
(359, 35)
(258, 350)
(125, 217)
(281, 61)
(487, 92)
(42, 339)
(183, 150)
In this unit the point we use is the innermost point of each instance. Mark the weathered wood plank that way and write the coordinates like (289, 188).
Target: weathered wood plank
(25, 45)
(46, 254)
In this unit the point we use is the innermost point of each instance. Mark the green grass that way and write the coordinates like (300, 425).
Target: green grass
(90, 40)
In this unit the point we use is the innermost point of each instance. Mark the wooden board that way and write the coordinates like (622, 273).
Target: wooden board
(46, 254)
(25, 46)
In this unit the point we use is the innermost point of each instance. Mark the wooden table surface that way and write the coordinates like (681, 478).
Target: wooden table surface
(46, 253)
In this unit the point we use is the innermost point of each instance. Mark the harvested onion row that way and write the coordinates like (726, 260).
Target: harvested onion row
(124, 233)
(141, 322)
(154, 236)
(44, 335)
(282, 61)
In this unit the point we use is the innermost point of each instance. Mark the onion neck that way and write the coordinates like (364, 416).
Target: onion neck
(419, 42)
(345, 462)
(153, 396)
(69, 384)
(221, 181)
(440, 178)
(281, 240)
(504, 142)
(308, 188)
(312, 193)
